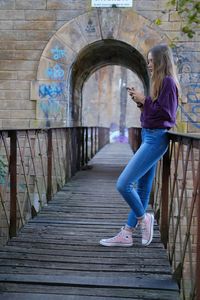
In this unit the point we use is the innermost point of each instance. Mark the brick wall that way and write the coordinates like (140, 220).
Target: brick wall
(26, 26)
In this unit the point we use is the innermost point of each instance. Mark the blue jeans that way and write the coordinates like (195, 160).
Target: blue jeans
(135, 182)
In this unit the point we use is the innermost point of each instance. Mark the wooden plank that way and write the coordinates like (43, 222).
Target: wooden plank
(99, 281)
(42, 296)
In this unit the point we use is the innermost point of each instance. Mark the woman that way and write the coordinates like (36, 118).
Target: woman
(158, 115)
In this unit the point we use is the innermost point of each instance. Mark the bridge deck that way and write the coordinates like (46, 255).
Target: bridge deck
(57, 255)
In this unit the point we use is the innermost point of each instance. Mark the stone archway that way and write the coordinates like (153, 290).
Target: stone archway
(88, 42)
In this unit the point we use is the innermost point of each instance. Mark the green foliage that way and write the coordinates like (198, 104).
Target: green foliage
(158, 21)
(189, 10)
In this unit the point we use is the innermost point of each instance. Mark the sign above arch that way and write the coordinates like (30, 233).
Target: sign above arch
(112, 3)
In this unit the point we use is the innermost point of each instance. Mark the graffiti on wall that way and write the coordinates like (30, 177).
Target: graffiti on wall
(52, 94)
(189, 76)
(55, 73)
(58, 53)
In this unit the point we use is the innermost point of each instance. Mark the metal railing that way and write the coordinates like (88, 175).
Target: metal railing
(35, 164)
(176, 203)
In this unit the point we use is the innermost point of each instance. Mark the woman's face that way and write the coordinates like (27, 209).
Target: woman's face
(150, 63)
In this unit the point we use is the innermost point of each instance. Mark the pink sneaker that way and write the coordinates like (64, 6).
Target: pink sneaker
(147, 229)
(123, 239)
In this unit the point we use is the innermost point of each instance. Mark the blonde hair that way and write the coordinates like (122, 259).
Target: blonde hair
(163, 65)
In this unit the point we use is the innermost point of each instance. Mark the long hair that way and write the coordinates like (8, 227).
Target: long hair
(163, 66)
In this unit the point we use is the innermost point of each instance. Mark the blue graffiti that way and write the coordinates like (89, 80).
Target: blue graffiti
(58, 53)
(56, 73)
(51, 90)
(192, 95)
(50, 106)
(189, 118)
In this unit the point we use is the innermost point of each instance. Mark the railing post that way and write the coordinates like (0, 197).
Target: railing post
(13, 184)
(86, 145)
(78, 145)
(198, 240)
(134, 138)
(95, 140)
(82, 146)
(165, 199)
(49, 164)
(92, 142)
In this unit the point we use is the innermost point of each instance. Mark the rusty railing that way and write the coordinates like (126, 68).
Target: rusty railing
(176, 203)
(35, 164)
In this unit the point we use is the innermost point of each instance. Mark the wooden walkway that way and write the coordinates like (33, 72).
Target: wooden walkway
(57, 255)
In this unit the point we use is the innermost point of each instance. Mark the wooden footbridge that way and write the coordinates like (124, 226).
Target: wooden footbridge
(57, 256)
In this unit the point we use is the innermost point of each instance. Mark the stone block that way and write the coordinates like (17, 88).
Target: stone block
(174, 16)
(29, 4)
(170, 26)
(22, 114)
(71, 35)
(194, 128)
(67, 4)
(109, 20)
(12, 14)
(25, 35)
(15, 123)
(45, 90)
(58, 51)
(8, 75)
(51, 111)
(151, 5)
(6, 25)
(20, 54)
(17, 105)
(130, 26)
(14, 85)
(17, 65)
(14, 95)
(26, 75)
(30, 45)
(52, 70)
(34, 91)
(89, 25)
(148, 38)
(68, 15)
(153, 15)
(39, 15)
(7, 4)
(34, 25)
(4, 114)
(7, 45)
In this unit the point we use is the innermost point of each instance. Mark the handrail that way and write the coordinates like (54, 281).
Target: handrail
(35, 164)
(176, 203)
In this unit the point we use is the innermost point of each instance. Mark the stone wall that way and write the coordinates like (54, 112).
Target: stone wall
(26, 28)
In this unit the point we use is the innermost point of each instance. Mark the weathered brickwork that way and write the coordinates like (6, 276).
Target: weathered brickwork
(26, 27)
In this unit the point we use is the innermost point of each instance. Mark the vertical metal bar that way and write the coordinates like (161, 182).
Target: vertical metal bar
(86, 145)
(92, 142)
(198, 234)
(95, 143)
(13, 183)
(165, 199)
(73, 150)
(49, 165)
(67, 142)
(82, 145)
(78, 145)
(100, 142)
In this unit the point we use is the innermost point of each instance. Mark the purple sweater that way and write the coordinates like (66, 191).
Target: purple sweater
(161, 113)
